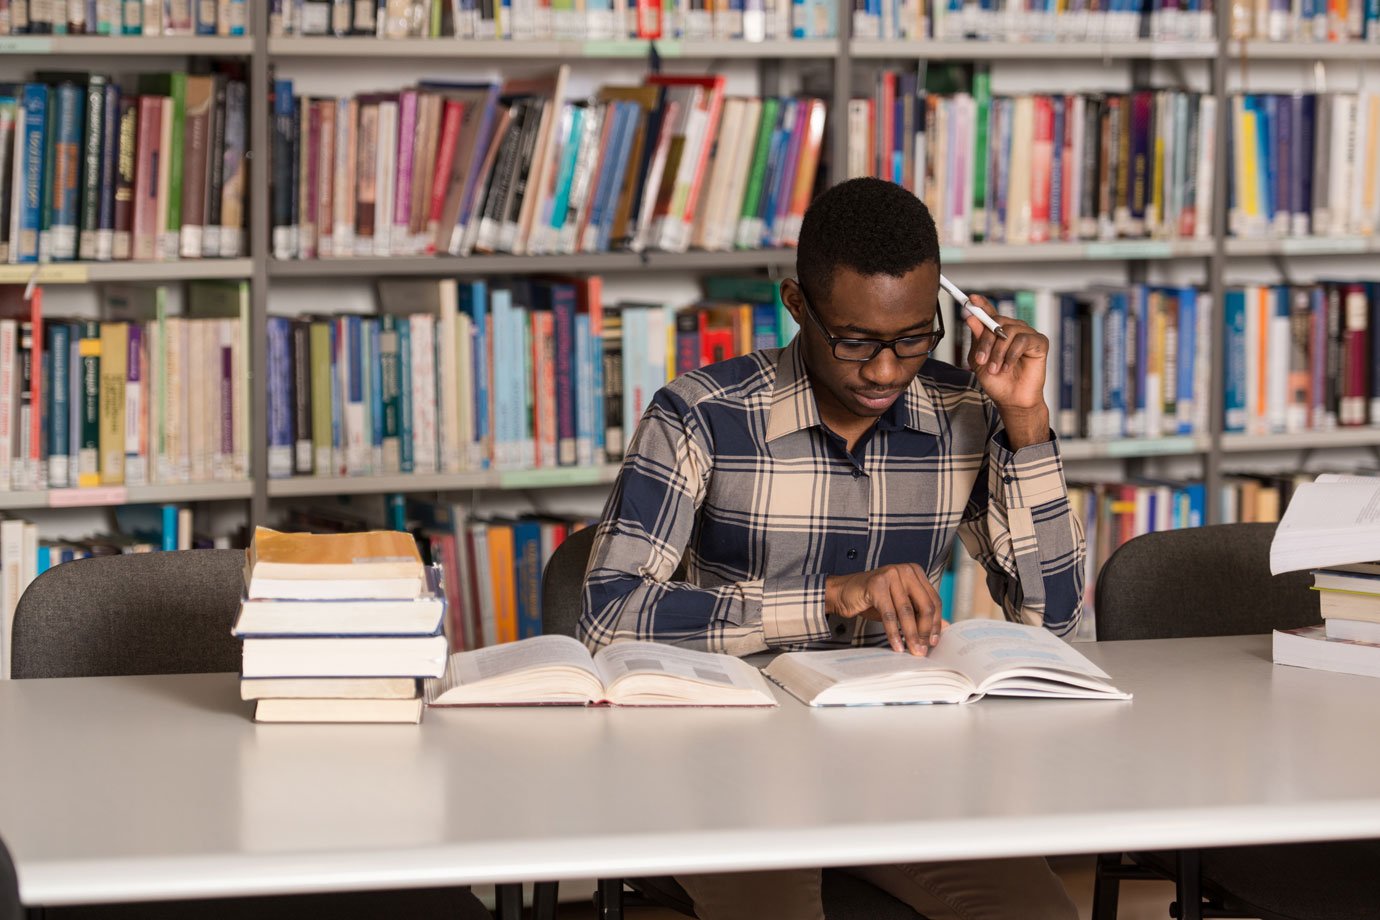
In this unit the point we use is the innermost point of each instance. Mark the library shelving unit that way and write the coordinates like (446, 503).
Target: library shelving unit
(260, 51)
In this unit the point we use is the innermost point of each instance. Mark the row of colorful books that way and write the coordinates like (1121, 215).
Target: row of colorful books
(1305, 164)
(123, 17)
(1038, 168)
(1302, 357)
(527, 20)
(90, 170)
(519, 168)
(1132, 362)
(136, 398)
(1305, 21)
(1034, 20)
(492, 375)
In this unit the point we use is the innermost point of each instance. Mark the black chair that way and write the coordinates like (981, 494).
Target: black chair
(170, 613)
(1216, 581)
(845, 896)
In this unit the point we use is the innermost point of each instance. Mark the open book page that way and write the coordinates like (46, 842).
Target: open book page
(1327, 523)
(649, 674)
(1017, 659)
(544, 669)
(867, 677)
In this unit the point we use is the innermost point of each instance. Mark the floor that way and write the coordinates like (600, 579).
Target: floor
(1139, 900)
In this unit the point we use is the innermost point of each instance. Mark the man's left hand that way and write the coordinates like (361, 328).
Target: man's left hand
(1012, 374)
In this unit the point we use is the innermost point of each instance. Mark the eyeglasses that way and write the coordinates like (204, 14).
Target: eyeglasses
(864, 350)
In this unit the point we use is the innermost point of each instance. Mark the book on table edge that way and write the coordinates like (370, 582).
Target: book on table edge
(421, 615)
(350, 656)
(1311, 647)
(333, 688)
(406, 711)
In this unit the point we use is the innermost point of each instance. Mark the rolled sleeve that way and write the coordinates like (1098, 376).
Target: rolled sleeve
(793, 611)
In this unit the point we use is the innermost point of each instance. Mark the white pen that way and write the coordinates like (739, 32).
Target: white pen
(982, 315)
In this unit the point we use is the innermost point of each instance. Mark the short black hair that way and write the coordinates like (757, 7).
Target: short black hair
(869, 225)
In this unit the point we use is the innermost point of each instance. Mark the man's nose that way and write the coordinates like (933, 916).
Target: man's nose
(884, 371)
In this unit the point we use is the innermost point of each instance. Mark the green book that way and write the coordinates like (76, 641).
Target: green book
(390, 380)
(982, 99)
(752, 198)
(322, 438)
(89, 449)
(174, 86)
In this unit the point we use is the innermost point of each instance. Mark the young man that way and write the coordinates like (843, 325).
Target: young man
(813, 494)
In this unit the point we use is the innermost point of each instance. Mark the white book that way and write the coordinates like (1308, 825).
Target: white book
(1073, 172)
(1328, 523)
(387, 656)
(1339, 194)
(407, 712)
(337, 688)
(343, 198)
(1206, 153)
(974, 658)
(559, 669)
(724, 159)
(448, 377)
(1312, 647)
(488, 614)
(673, 235)
(184, 528)
(468, 449)
(423, 329)
(1022, 138)
(385, 177)
(1202, 365)
(721, 234)
(11, 585)
(1280, 344)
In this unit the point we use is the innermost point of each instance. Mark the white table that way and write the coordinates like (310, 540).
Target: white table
(118, 789)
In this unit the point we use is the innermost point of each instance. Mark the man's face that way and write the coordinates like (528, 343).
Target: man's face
(865, 307)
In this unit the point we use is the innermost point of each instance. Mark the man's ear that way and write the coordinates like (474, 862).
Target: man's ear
(794, 300)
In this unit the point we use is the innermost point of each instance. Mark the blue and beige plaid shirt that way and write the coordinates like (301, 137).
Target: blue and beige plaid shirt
(732, 471)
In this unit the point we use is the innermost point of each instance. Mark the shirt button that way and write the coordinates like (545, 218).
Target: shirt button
(852, 554)
(857, 473)
(1008, 479)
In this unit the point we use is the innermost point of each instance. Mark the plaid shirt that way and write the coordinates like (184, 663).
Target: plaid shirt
(732, 469)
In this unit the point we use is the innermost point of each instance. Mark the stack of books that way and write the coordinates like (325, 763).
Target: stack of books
(338, 627)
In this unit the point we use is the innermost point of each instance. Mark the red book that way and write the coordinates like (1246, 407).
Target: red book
(1069, 231)
(144, 232)
(1356, 348)
(886, 137)
(445, 158)
(1041, 169)
(649, 21)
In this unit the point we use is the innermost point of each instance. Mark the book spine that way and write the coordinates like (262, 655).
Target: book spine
(114, 345)
(390, 396)
(303, 450)
(90, 189)
(282, 162)
(169, 243)
(60, 347)
(88, 456)
(136, 427)
(199, 101)
(406, 455)
(124, 191)
(406, 153)
(232, 214)
(215, 173)
(280, 398)
(321, 403)
(143, 211)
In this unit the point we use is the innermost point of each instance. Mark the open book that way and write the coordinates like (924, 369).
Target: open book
(1334, 520)
(973, 659)
(558, 669)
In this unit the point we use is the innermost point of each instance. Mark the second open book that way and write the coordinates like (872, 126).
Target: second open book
(973, 659)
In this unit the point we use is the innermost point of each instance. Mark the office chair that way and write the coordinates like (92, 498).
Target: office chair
(1216, 581)
(845, 896)
(170, 613)
(10, 908)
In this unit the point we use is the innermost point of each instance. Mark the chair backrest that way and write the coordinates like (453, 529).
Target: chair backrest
(563, 584)
(10, 908)
(1203, 581)
(145, 613)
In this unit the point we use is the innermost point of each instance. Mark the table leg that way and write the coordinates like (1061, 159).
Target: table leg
(508, 902)
(544, 896)
(1188, 886)
(1106, 886)
(610, 906)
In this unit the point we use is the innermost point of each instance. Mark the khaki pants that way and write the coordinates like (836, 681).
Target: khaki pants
(990, 889)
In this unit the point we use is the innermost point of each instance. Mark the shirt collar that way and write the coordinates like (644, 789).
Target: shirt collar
(793, 406)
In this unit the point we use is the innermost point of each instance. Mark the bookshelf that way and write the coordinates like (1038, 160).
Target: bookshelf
(261, 51)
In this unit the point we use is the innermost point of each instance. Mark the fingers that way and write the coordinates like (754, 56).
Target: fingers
(927, 604)
(885, 607)
(907, 612)
(974, 325)
(1024, 344)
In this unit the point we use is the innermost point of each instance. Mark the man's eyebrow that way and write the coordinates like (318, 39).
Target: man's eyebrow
(874, 334)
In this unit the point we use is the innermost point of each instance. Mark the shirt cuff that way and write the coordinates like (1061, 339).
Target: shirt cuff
(793, 610)
(1029, 477)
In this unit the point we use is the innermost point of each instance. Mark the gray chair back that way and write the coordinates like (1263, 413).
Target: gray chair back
(563, 584)
(1204, 581)
(145, 613)
(10, 908)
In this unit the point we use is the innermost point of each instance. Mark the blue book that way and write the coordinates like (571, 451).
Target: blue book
(60, 409)
(1097, 410)
(1234, 372)
(1187, 358)
(626, 134)
(1372, 24)
(1115, 363)
(1068, 419)
(45, 558)
(1282, 163)
(1263, 121)
(505, 411)
(565, 177)
(110, 151)
(1197, 504)
(375, 368)
(204, 16)
(280, 401)
(561, 297)
(397, 511)
(355, 433)
(764, 331)
(1056, 175)
(69, 119)
(407, 458)
(474, 302)
(527, 562)
(800, 18)
(596, 386)
(776, 154)
(170, 528)
(1142, 357)
(30, 203)
(946, 594)
(584, 392)
(1305, 123)
(604, 190)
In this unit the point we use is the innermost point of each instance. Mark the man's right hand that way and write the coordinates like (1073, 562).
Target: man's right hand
(901, 596)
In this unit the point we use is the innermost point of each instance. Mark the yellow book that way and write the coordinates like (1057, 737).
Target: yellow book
(376, 554)
(1156, 219)
(114, 362)
(1249, 152)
